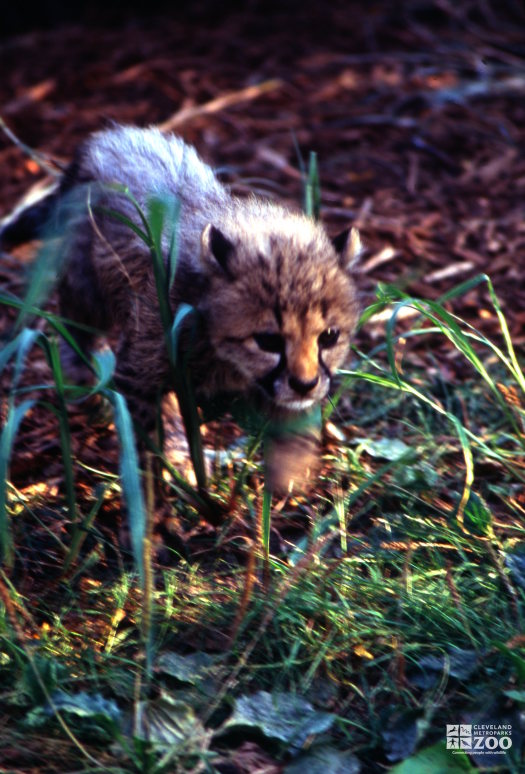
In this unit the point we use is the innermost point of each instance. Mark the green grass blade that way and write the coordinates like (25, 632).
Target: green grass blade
(312, 189)
(299, 155)
(57, 322)
(7, 437)
(27, 338)
(124, 190)
(9, 350)
(173, 252)
(182, 312)
(190, 417)
(163, 211)
(116, 215)
(81, 530)
(266, 517)
(370, 311)
(157, 208)
(391, 383)
(105, 363)
(50, 346)
(159, 272)
(163, 217)
(449, 326)
(44, 272)
(130, 479)
(518, 372)
(389, 293)
(462, 288)
(469, 469)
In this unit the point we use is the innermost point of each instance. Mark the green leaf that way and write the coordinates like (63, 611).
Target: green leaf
(116, 215)
(156, 216)
(173, 252)
(324, 760)
(460, 664)
(25, 341)
(40, 678)
(420, 476)
(7, 437)
(167, 722)
(86, 705)
(401, 734)
(387, 294)
(163, 214)
(91, 715)
(44, 271)
(10, 348)
(82, 529)
(266, 520)
(283, 716)
(104, 362)
(36, 719)
(312, 190)
(182, 312)
(130, 478)
(187, 669)
(477, 517)
(384, 448)
(190, 417)
(157, 210)
(50, 346)
(435, 760)
(370, 311)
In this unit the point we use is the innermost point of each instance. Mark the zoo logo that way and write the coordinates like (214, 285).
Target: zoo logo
(483, 738)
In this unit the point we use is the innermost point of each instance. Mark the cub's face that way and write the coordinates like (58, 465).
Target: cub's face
(281, 309)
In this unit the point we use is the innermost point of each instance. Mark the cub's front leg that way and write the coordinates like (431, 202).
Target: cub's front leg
(141, 375)
(292, 453)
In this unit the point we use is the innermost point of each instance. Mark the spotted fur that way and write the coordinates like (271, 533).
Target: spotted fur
(276, 302)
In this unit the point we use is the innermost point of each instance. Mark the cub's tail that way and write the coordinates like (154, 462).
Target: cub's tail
(30, 217)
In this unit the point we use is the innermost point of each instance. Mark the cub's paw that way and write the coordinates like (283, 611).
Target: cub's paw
(292, 462)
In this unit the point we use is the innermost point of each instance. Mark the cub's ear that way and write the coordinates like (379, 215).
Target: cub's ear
(217, 248)
(349, 247)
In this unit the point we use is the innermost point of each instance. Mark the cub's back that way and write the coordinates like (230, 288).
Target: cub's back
(151, 164)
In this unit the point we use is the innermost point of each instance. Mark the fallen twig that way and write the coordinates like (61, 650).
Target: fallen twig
(219, 103)
(44, 162)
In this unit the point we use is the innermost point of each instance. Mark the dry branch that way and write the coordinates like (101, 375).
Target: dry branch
(219, 103)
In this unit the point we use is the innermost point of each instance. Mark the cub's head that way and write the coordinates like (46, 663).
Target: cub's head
(282, 304)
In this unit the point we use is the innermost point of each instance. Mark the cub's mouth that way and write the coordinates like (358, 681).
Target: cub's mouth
(299, 404)
(282, 391)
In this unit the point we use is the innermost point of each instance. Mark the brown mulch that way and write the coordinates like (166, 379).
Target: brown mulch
(416, 111)
(417, 115)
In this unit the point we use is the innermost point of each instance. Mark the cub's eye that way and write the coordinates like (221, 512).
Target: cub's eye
(269, 342)
(328, 338)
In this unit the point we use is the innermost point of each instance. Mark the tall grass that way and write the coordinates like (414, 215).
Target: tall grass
(404, 596)
(467, 340)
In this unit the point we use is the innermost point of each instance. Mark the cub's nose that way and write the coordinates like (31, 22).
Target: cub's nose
(302, 388)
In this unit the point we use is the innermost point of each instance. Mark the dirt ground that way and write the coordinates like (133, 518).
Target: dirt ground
(415, 109)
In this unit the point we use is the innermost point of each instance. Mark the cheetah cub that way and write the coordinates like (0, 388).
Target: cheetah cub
(274, 298)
